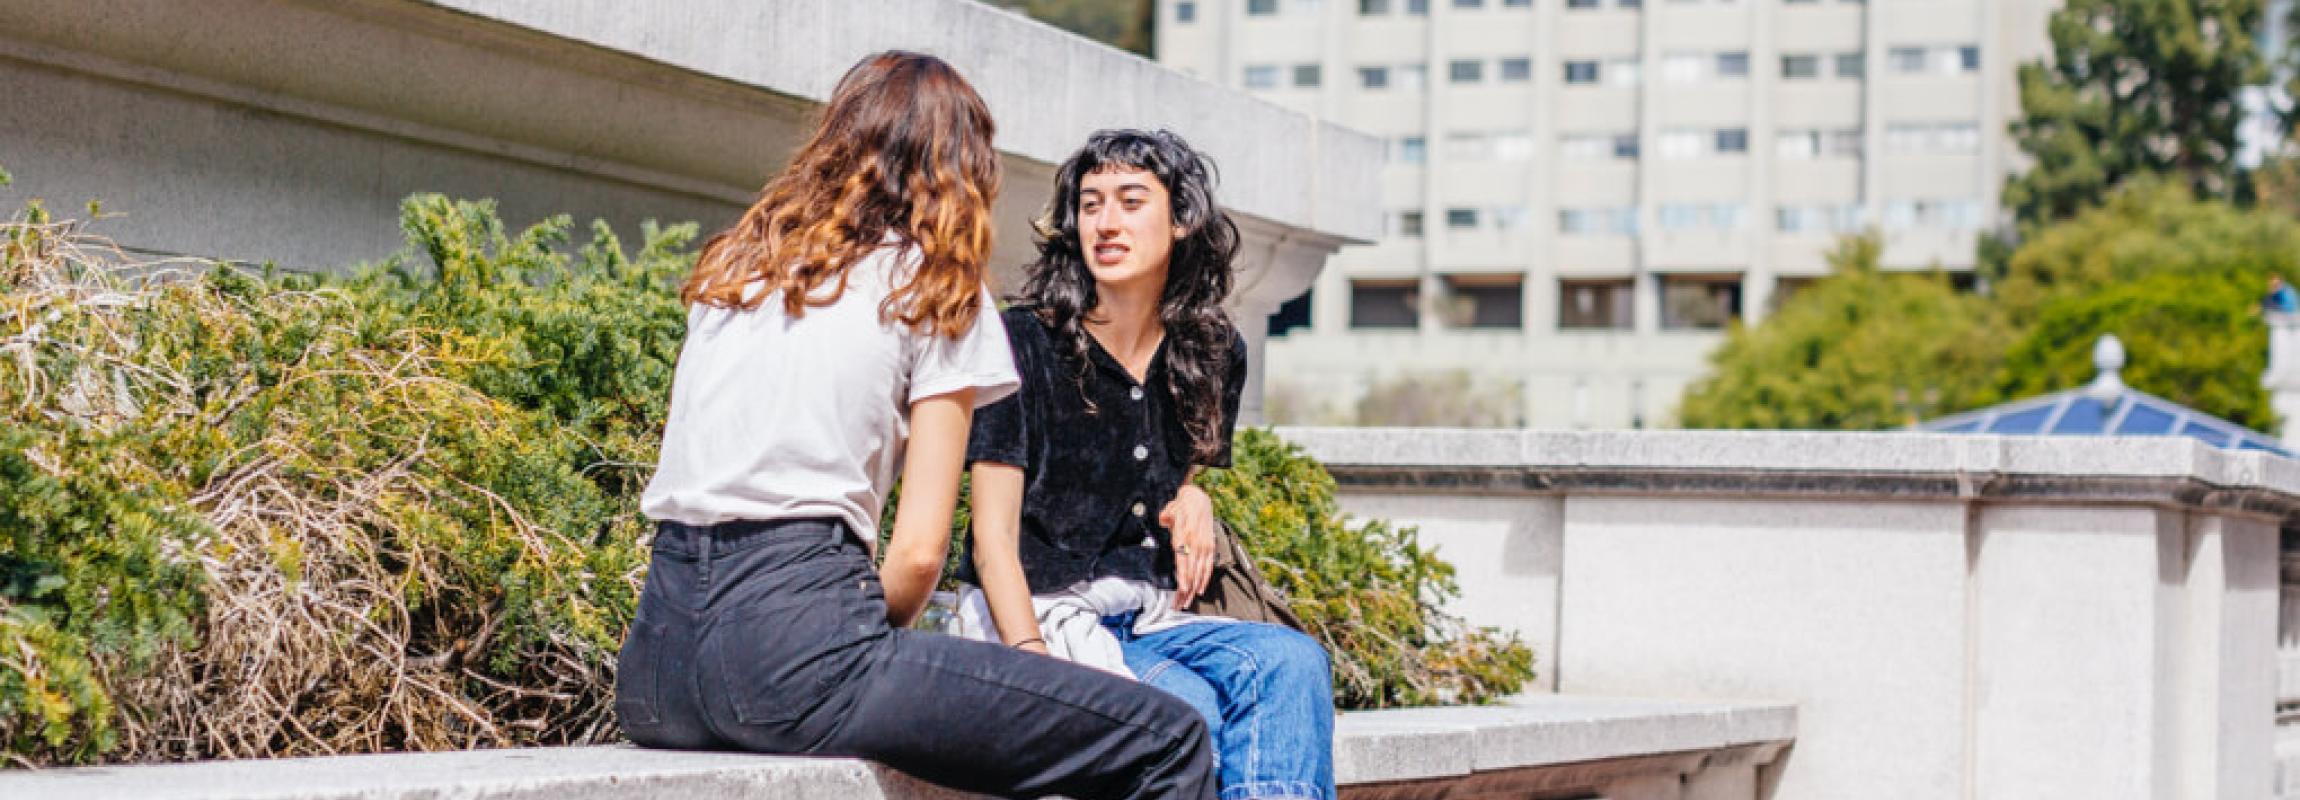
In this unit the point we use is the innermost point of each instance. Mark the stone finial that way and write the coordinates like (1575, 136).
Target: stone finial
(2108, 361)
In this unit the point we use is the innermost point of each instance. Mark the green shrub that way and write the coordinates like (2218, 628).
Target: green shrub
(250, 514)
(1368, 590)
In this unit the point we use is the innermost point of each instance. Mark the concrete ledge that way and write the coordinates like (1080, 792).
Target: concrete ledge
(1552, 741)
(1800, 463)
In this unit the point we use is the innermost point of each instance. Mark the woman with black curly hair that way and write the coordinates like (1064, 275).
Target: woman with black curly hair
(1090, 540)
(835, 340)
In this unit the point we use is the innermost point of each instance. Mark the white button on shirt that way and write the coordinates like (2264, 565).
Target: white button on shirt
(1141, 452)
(1135, 393)
(1140, 509)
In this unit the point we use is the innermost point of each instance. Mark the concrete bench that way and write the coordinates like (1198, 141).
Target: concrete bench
(1536, 746)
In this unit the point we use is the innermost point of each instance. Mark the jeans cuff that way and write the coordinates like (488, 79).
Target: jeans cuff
(1277, 790)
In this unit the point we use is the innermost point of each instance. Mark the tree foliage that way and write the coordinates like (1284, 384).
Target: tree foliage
(2178, 279)
(2134, 87)
(1861, 349)
(1128, 25)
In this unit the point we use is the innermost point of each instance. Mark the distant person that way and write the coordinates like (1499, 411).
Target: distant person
(841, 314)
(1090, 541)
(2281, 299)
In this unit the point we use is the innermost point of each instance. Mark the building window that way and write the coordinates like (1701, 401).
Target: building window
(1907, 60)
(1785, 288)
(1838, 219)
(1373, 8)
(1513, 146)
(1584, 146)
(1410, 224)
(1800, 67)
(1596, 221)
(1699, 302)
(1413, 76)
(1623, 71)
(1683, 67)
(1374, 77)
(1924, 137)
(1461, 219)
(1678, 216)
(1680, 144)
(1261, 76)
(1413, 150)
(1376, 304)
(1969, 58)
(1581, 4)
(1629, 3)
(1509, 218)
(1465, 71)
(1595, 305)
(1468, 3)
(1291, 314)
(1485, 301)
(1581, 72)
(1185, 12)
(1261, 8)
(1852, 65)
(1733, 65)
(1732, 140)
(1516, 3)
(1797, 145)
(1625, 146)
(1418, 8)
(1308, 76)
(1846, 142)
(1468, 146)
(1516, 70)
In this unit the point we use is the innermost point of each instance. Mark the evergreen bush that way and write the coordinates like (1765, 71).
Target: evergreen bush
(252, 514)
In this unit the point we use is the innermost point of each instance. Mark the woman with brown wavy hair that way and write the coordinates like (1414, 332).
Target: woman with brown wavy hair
(839, 320)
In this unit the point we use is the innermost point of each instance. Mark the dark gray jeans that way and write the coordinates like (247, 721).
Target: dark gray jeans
(772, 638)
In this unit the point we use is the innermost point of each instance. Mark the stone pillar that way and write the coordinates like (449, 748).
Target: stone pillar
(1276, 263)
(2283, 378)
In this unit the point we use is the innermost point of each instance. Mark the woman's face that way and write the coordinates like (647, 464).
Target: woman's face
(1125, 226)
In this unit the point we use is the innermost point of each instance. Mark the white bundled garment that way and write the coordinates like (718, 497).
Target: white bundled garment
(1071, 620)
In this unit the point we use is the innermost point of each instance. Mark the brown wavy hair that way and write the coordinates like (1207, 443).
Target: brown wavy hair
(904, 147)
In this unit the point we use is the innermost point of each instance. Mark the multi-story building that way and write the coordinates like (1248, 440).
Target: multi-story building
(1583, 194)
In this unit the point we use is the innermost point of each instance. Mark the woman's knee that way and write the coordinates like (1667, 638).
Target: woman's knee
(1292, 652)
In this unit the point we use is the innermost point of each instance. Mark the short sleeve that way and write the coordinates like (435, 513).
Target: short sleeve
(1233, 391)
(1001, 431)
(979, 359)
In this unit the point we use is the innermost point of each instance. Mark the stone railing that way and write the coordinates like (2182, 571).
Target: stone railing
(1978, 617)
(1534, 747)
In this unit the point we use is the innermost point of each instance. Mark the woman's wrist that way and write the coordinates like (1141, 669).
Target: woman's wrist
(1040, 641)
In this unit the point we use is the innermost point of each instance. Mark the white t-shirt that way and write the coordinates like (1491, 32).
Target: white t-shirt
(777, 418)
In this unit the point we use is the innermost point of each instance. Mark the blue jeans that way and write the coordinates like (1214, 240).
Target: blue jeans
(1266, 692)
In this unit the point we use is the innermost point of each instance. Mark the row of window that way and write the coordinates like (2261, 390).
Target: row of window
(1497, 302)
(1958, 214)
(1187, 10)
(1795, 144)
(1626, 71)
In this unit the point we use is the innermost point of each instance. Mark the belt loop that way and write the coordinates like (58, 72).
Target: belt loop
(703, 559)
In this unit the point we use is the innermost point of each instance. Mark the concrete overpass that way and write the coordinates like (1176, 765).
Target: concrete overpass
(288, 130)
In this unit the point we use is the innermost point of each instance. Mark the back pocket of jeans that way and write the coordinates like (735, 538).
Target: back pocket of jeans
(780, 661)
(638, 686)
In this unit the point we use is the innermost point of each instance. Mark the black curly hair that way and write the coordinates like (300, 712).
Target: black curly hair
(1198, 276)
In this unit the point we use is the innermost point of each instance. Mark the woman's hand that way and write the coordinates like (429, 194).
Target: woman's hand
(1189, 520)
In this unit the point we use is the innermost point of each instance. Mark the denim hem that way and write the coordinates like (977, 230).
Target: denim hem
(1276, 790)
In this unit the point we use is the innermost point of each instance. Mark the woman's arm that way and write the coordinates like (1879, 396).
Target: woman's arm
(1189, 521)
(998, 553)
(921, 541)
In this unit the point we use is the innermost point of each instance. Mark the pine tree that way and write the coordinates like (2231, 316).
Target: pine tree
(2134, 87)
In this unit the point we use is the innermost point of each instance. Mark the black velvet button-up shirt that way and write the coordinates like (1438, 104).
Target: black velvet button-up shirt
(1093, 480)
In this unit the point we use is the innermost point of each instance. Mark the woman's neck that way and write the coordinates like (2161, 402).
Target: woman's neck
(1125, 321)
